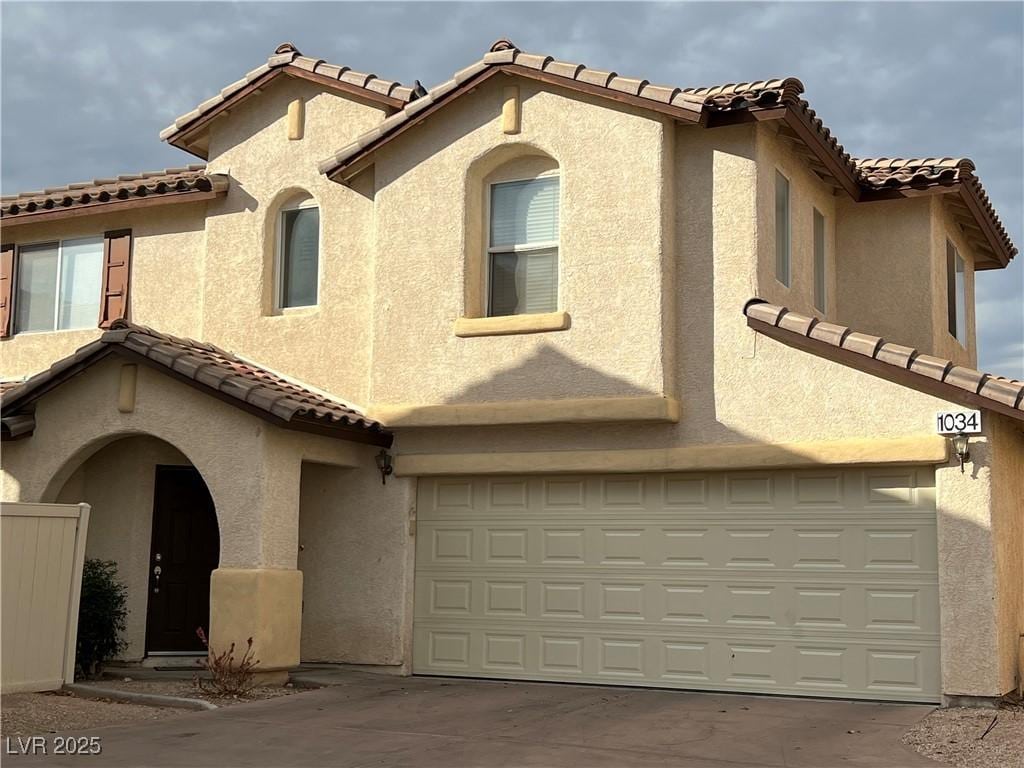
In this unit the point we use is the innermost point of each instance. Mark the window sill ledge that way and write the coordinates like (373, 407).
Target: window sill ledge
(295, 311)
(512, 324)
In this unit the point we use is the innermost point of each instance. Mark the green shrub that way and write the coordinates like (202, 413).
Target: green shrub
(101, 615)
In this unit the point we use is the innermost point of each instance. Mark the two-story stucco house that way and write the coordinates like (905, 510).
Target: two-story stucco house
(545, 373)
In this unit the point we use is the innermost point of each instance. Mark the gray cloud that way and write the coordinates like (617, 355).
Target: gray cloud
(87, 87)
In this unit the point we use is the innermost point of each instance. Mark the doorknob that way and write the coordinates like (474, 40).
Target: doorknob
(156, 573)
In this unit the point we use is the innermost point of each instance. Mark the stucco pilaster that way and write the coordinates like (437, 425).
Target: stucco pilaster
(967, 576)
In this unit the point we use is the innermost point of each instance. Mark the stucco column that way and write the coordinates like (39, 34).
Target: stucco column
(968, 588)
(257, 590)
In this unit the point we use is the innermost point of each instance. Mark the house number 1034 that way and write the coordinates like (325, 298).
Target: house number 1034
(953, 422)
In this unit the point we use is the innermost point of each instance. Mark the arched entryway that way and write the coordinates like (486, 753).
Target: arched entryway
(153, 515)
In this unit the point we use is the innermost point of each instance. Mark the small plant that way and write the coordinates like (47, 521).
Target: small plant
(227, 677)
(101, 616)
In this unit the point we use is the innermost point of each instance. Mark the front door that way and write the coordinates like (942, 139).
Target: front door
(185, 549)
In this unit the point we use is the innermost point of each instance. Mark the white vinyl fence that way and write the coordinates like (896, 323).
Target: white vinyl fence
(42, 549)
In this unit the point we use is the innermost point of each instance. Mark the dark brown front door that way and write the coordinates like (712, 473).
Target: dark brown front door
(185, 549)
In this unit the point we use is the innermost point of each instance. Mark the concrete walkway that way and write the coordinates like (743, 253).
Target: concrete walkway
(374, 720)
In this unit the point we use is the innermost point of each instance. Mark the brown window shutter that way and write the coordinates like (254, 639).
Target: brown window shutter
(6, 289)
(117, 267)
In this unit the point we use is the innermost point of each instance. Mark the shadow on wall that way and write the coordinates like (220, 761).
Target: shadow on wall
(548, 373)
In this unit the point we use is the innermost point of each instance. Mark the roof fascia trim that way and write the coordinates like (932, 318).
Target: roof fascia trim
(181, 137)
(351, 167)
(116, 205)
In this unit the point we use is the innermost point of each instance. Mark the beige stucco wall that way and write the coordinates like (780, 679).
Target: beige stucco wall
(946, 345)
(1008, 532)
(118, 483)
(981, 577)
(168, 249)
(329, 345)
(355, 537)
(611, 164)
(806, 192)
(892, 254)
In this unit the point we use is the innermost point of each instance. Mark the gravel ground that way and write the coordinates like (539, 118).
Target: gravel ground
(187, 689)
(954, 736)
(32, 714)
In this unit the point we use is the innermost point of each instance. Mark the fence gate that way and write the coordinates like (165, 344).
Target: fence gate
(43, 549)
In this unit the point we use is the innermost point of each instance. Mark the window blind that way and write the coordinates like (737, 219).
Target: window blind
(524, 283)
(37, 287)
(81, 280)
(524, 212)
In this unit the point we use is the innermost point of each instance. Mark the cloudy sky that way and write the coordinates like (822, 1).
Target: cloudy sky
(87, 86)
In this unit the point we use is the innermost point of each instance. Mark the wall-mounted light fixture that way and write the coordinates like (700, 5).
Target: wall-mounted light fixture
(383, 460)
(961, 443)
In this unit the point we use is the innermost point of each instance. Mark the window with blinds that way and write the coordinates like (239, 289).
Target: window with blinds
(523, 247)
(299, 267)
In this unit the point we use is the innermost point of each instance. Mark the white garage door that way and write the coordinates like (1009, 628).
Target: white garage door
(820, 583)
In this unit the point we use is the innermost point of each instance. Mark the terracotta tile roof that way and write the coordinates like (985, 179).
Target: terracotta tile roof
(504, 54)
(711, 106)
(216, 371)
(287, 57)
(898, 171)
(170, 182)
(905, 365)
(7, 386)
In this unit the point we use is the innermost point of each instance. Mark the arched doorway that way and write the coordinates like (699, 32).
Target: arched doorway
(153, 515)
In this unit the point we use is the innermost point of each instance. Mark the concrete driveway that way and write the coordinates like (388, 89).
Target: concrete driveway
(373, 720)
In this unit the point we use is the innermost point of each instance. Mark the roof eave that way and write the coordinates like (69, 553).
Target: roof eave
(187, 134)
(344, 171)
(870, 365)
(108, 344)
(218, 189)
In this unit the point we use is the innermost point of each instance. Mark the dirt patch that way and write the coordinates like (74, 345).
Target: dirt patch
(957, 736)
(33, 714)
(188, 690)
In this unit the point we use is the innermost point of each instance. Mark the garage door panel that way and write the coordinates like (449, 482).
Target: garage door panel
(814, 582)
(780, 544)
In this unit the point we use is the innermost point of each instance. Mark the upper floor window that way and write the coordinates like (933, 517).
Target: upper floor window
(819, 260)
(956, 293)
(523, 247)
(782, 229)
(298, 254)
(59, 285)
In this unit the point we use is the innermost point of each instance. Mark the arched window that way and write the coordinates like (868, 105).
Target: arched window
(522, 245)
(297, 264)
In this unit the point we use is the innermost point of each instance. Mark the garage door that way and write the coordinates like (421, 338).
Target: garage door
(820, 583)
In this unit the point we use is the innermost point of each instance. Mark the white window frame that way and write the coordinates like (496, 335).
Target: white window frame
(960, 297)
(297, 203)
(60, 265)
(824, 272)
(547, 245)
(788, 282)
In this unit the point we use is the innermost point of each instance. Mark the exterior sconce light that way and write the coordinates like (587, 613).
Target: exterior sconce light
(960, 445)
(383, 460)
